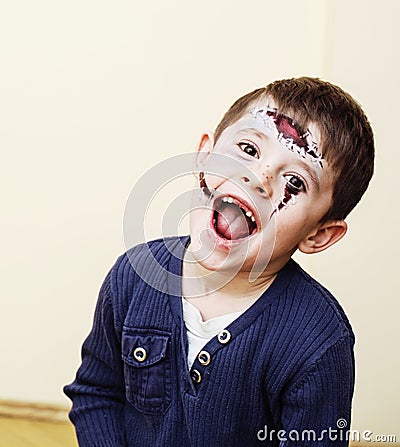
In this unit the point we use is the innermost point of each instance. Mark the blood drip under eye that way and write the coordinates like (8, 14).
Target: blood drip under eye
(288, 195)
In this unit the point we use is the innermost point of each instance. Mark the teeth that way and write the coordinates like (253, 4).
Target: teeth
(249, 214)
(227, 199)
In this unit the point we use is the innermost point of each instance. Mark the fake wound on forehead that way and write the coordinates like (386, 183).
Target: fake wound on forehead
(289, 133)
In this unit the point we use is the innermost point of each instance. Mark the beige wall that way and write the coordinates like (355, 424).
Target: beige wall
(93, 94)
(363, 269)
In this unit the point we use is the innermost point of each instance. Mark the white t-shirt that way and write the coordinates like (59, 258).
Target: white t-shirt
(200, 332)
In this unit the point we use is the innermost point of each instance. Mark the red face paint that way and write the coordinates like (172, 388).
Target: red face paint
(287, 196)
(289, 132)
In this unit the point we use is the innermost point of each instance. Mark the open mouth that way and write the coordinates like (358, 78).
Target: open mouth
(232, 219)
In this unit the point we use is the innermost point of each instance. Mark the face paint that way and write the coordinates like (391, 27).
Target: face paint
(288, 197)
(204, 191)
(288, 133)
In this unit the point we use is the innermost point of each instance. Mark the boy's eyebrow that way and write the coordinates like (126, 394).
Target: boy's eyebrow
(304, 164)
(311, 173)
(255, 131)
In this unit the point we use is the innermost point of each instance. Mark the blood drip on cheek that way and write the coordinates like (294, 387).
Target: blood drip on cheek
(205, 191)
(287, 196)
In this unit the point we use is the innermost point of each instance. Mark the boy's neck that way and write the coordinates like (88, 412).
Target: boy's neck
(215, 293)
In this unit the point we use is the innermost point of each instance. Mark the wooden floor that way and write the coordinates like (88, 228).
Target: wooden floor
(29, 433)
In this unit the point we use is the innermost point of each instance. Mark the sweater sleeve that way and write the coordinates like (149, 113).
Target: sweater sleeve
(97, 392)
(317, 408)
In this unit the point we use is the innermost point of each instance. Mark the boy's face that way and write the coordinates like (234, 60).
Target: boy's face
(265, 189)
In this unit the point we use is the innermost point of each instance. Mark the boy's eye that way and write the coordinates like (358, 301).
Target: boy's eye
(294, 184)
(249, 149)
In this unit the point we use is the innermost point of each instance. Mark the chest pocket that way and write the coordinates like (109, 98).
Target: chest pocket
(147, 369)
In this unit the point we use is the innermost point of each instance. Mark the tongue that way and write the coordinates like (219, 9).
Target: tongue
(231, 223)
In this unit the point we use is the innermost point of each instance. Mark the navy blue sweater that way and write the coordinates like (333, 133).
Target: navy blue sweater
(285, 364)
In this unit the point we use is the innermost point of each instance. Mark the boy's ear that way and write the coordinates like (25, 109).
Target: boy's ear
(323, 237)
(204, 149)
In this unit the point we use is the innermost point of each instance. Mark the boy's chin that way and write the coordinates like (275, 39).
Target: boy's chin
(215, 253)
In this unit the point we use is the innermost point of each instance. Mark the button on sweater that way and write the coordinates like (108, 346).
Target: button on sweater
(282, 375)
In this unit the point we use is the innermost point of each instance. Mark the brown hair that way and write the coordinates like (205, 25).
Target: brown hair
(347, 141)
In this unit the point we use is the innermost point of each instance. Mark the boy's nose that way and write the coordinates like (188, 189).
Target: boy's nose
(260, 184)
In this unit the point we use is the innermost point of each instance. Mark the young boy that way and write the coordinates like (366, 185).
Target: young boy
(221, 339)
